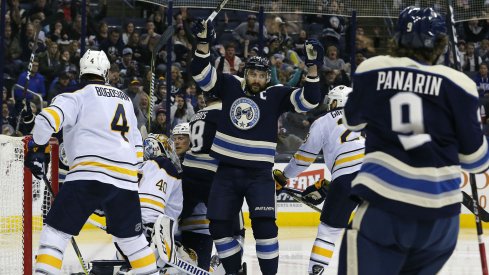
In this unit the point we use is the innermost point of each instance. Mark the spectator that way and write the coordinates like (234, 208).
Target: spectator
(158, 126)
(137, 49)
(135, 92)
(296, 123)
(59, 86)
(332, 59)
(228, 64)
(482, 80)
(471, 60)
(129, 68)
(12, 51)
(286, 142)
(113, 41)
(176, 79)
(128, 31)
(102, 34)
(7, 120)
(115, 79)
(142, 110)
(49, 64)
(248, 30)
(36, 83)
(180, 111)
(475, 30)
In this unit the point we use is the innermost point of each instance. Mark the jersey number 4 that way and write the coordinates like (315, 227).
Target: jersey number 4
(119, 122)
(407, 120)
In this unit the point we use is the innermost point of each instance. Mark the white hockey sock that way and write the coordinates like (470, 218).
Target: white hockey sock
(52, 245)
(323, 248)
(140, 255)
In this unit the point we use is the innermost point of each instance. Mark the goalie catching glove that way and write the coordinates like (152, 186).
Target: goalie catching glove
(316, 193)
(280, 180)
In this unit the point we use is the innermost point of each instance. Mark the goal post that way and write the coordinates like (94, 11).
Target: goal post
(24, 201)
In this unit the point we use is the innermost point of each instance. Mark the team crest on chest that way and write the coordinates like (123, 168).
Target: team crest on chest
(244, 113)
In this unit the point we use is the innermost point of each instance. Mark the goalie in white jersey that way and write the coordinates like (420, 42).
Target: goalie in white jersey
(343, 155)
(104, 149)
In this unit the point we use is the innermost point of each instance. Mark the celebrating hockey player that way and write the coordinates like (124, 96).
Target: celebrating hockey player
(422, 126)
(103, 148)
(245, 144)
(343, 154)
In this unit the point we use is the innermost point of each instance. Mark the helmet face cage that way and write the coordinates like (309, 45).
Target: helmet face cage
(95, 62)
(419, 28)
(340, 94)
(156, 145)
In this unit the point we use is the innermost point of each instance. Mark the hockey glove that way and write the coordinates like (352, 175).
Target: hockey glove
(35, 159)
(316, 193)
(204, 31)
(314, 53)
(280, 180)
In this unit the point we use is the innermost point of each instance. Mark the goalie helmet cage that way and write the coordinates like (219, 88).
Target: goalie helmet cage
(24, 201)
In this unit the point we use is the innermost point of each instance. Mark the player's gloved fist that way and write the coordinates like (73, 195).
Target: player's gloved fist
(203, 30)
(35, 159)
(280, 180)
(316, 193)
(314, 53)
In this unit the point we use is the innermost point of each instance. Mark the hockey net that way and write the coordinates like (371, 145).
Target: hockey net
(23, 202)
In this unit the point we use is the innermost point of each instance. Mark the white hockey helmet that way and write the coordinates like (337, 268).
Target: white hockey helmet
(181, 129)
(95, 62)
(156, 145)
(340, 94)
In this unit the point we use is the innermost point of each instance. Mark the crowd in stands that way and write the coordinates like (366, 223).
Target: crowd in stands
(129, 47)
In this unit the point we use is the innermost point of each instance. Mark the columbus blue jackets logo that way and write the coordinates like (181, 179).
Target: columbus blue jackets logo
(244, 113)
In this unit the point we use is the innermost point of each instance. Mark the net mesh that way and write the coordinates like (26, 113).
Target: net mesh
(464, 9)
(11, 205)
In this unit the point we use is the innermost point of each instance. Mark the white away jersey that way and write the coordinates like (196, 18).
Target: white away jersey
(160, 190)
(343, 149)
(100, 134)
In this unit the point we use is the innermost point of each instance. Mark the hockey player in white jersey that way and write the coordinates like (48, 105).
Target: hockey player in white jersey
(343, 154)
(103, 148)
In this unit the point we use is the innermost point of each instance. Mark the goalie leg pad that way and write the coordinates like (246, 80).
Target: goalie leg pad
(163, 239)
(52, 245)
(140, 255)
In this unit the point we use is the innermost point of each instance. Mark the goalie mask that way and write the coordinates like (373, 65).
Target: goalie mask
(340, 95)
(95, 62)
(156, 145)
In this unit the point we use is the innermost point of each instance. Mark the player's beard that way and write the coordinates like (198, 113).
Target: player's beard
(255, 88)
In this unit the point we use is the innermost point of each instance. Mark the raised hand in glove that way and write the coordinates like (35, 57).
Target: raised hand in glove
(316, 193)
(203, 30)
(36, 159)
(280, 180)
(314, 53)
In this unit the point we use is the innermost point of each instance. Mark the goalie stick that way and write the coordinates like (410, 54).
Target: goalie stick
(73, 242)
(161, 42)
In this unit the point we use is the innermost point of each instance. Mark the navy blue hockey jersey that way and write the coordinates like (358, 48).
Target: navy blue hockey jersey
(247, 131)
(422, 127)
(203, 125)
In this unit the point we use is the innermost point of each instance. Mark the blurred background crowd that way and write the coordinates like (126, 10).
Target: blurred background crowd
(129, 43)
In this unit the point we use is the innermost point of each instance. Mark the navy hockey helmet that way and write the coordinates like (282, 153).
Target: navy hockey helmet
(259, 63)
(419, 28)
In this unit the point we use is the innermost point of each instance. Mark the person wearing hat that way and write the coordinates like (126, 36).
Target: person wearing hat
(58, 85)
(158, 126)
(134, 90)
(248, 30)
(127, 65)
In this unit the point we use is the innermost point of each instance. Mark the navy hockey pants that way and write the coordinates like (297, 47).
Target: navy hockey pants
(379, 242)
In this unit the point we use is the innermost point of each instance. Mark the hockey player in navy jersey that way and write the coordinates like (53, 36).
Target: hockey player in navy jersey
(245, 144)
(104, 150)
(343, 154)
(422, 127)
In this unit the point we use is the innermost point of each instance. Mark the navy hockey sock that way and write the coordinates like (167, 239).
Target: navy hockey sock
(265, 231)
(228, 248)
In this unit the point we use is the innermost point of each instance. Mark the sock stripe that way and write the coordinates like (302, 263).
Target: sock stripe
(322, 251)
(144, 261)
(49, 260)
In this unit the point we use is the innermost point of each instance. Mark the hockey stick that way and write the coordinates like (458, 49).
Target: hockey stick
(297, 195)
(482, 246)
(73, 242)
(469, 203)
(27, 79)
(217, 10)
(162, 42)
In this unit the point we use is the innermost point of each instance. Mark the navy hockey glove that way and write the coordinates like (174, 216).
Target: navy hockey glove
(35, 159)
(280, 180)
(314, 53)
(204, 31)
(316, 193)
